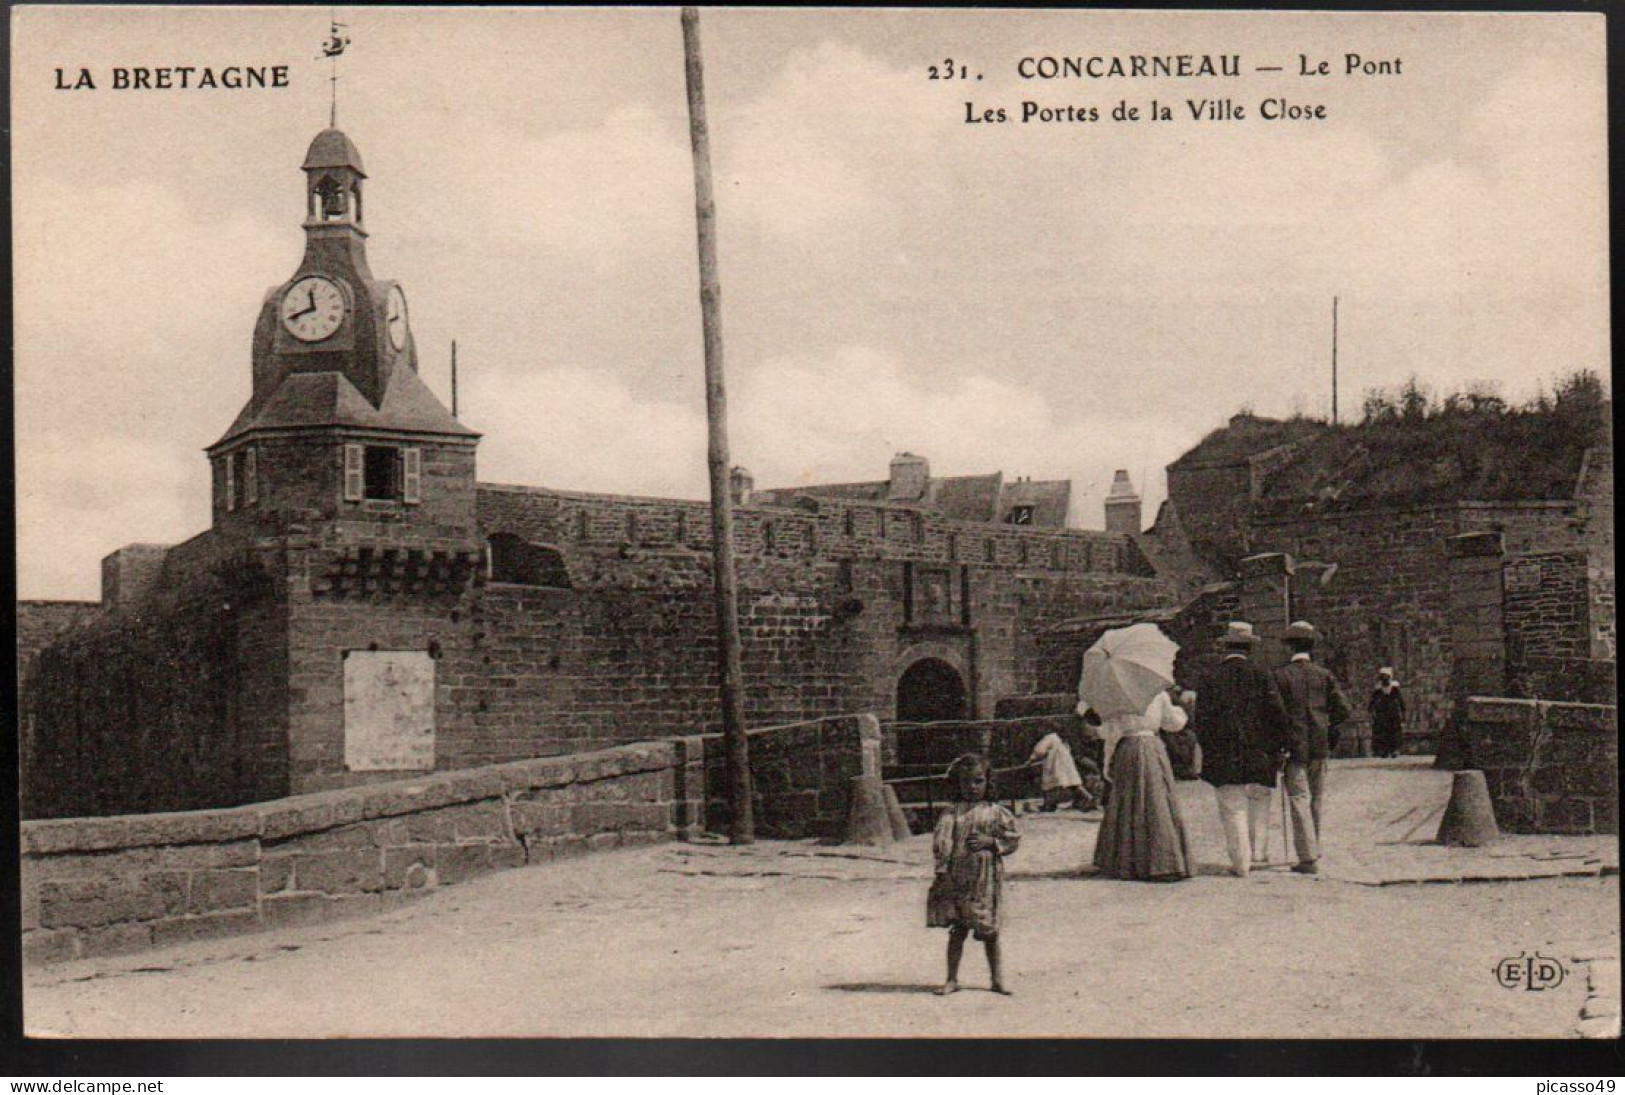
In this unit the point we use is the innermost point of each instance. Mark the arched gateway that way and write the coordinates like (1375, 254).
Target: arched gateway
(931, 690)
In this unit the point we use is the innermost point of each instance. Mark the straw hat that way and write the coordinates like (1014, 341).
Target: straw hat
(1302, 631)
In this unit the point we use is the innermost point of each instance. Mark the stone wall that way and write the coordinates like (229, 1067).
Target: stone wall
(103, 885)
(41, 623)
(235, 665)
(1551, 767)
(1380, 590)
(921, 749)
(169, 706)
(1546, 605)
(1195, 626)
(801, 775)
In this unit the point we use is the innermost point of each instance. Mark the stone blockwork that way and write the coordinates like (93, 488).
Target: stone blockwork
(801, 776)
(1546, 605)
(166, 706)
(1388, 600)
(914, 750)
(102, 885)
(1551, 767)
(41, 623)
(236, 660)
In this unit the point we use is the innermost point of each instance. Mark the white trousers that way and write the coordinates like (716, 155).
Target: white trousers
(1244, 810)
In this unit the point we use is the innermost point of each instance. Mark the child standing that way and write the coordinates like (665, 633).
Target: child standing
(972, 838)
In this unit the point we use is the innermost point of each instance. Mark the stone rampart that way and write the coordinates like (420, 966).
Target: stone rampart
(1551, 767)
(104, 885)
(927, 748)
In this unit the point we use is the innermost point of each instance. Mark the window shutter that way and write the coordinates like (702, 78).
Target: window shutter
(354, 474)
(251, 477)
(231, 481)
(412, 478)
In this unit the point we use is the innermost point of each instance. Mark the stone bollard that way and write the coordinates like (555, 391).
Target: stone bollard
(894, 811)
(867, 821)
(1469, 819)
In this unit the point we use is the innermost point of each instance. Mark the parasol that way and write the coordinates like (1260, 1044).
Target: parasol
(1126, 668)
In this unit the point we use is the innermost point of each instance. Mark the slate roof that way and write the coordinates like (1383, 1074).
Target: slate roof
(329, 399)
(1051, 500)
(986, 498)
(332, 148)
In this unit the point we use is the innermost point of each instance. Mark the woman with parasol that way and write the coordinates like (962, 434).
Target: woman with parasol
(1125, 679)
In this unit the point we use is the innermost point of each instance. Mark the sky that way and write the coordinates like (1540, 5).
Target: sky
(1050, 300)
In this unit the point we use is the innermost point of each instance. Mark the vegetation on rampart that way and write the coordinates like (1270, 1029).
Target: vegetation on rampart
(1413, 446)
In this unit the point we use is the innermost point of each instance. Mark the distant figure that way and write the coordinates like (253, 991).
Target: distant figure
(1058, 777)
(1387, 709)
(972, 838)
(1142, 835)
(1244, 729)
(1184, 751)
(1318, 708)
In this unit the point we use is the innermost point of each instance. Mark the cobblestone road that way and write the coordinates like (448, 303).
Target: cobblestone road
(1398, 938)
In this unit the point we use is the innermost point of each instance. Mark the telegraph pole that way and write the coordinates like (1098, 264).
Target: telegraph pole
(741, 823)
(454, 378)
(1334, 361)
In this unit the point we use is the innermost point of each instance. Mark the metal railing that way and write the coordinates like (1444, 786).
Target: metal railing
(1002, 788)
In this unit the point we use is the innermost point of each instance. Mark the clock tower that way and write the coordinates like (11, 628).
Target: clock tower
(340, 433)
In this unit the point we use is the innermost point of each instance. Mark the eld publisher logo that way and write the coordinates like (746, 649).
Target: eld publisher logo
(1532, 973)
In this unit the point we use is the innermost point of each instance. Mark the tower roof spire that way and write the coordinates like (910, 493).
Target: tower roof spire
(331, 149)
(331, 48)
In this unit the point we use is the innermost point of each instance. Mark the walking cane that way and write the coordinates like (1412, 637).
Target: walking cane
(1286, 830)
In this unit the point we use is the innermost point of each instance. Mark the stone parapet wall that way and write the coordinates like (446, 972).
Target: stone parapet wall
(927, 748)
(41, 623)
(801, 776)
(811, 528)
(104, 885)
(1546, 605)
(1551, 767)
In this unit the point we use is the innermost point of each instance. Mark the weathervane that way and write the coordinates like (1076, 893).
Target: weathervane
(336, 41)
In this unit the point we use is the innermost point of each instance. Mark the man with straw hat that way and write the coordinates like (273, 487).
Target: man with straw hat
(1318, 708)
(1243, 727)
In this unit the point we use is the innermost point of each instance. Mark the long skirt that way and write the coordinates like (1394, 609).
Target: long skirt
(1142, 834)
(1387, 737)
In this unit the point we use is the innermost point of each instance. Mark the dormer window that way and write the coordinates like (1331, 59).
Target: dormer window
(383, 473)
(1021, 515)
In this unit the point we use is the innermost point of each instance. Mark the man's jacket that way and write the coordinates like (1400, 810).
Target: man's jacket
(1242, 724)
(1317, 707)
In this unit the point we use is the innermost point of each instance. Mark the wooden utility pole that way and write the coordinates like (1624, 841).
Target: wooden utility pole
(454, 378)
(1334, 361)
(741, 823)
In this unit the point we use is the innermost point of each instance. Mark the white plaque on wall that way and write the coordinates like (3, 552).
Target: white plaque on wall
(388, 710)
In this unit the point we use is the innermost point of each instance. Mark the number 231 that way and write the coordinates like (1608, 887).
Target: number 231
(948, 70)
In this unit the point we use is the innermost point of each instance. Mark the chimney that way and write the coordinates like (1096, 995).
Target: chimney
(740, 485)
(909, 476)
(1122, 506)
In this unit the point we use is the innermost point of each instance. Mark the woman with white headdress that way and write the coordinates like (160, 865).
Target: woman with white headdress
(1387, 707)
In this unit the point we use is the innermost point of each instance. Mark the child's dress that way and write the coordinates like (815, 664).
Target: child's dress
(975, 879)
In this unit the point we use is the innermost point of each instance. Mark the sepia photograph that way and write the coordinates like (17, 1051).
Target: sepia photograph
(820, 523)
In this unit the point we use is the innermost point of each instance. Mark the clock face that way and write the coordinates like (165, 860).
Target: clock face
(395, 318)
(313, 308)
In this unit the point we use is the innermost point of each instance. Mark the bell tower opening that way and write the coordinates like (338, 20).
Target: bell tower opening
(333, 178)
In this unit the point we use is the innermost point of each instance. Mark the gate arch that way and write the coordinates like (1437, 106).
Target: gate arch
(931, 690)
